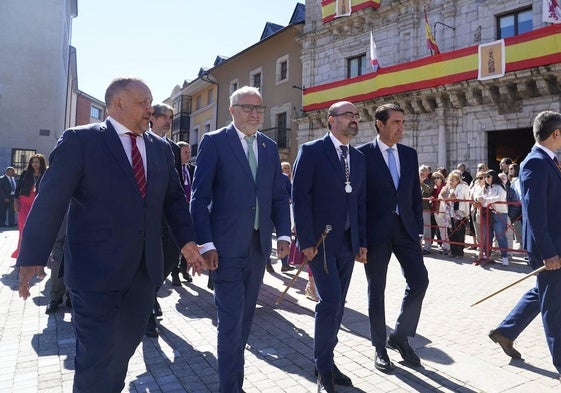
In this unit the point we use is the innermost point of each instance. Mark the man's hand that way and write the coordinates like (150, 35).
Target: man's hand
(552, 263)
(194, 259)
(310, 253)
(26, 273)
(211, 259)
(361, 256)
(282, 248)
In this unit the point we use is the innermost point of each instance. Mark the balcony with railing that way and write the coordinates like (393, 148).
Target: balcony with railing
(279, 135)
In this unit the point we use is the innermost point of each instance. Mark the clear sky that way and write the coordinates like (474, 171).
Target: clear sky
(164, 42)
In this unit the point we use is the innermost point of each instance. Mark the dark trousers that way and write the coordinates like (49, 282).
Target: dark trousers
(457, 234)
(544, 297)
(236, 286)
(332, 287)
(7, 214)
(409, 255)
(108, 328)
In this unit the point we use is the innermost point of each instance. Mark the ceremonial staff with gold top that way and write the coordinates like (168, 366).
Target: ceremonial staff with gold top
(318, 243)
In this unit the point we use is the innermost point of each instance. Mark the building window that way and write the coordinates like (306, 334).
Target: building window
(256, 82)
(282, 69)
(255, 78)
(356, 66)
(210, 97)
(233, 86)
(95, 113)
(20, 158)
(282, 130)
(514, 23)
(198, 101)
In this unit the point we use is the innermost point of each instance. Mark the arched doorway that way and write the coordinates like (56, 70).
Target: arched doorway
(515, 144)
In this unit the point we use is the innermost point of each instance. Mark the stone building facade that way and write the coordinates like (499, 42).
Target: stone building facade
(452, 114)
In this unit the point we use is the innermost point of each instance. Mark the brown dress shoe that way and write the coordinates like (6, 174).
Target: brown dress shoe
(505, 343)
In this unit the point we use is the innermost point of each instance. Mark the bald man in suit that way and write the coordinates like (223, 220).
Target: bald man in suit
(113, 254)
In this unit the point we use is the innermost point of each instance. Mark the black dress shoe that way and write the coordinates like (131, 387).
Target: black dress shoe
(505, 343)
(341, 379)
(325, 383)
(286, 268)
(407, 353)
(52, 307)
(270, 268)
(338, 377)
(157, 309)
(175, 281)
(152, 329)
(382, 362)
(187, 277)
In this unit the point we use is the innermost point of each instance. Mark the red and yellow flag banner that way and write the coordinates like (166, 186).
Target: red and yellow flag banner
(329, 10)
(532, 49)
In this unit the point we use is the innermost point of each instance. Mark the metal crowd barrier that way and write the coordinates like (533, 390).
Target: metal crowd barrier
(484, 246)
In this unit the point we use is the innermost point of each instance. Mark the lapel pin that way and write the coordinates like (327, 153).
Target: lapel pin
(264, 144)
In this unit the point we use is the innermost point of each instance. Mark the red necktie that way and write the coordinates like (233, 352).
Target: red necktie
(137, 165)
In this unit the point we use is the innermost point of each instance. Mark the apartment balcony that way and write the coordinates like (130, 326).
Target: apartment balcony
(279, 135)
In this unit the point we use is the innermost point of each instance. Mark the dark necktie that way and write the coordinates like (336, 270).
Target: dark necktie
(186, 183)
(13, 184)
(344, 162)
(137, 165)
(556, 161)
(346, 171)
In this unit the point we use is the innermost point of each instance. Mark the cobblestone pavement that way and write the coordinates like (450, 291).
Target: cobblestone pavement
(37, 349)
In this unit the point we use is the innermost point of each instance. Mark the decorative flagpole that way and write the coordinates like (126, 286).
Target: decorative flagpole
(431, 43)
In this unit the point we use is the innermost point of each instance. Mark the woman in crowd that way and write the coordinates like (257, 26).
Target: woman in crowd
(494, 194)
(477, 212)
(458, 210)
(26, 189)
(439, 216)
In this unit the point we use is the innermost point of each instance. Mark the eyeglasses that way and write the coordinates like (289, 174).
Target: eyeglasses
(248, 108)
(348, 115)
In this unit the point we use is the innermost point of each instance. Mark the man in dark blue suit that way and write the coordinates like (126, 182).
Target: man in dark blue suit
(113, 252)
(329, 189)
(394, 218)
(540, 185)
(238, 194)
(160, 125)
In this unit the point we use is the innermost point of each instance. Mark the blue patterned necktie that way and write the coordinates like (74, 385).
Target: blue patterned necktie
(393, 167)
(253, 166)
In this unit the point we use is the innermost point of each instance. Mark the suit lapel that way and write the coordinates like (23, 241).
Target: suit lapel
(263, 155)
(381, 163)
(333, 156)
(111, 139)
(548, 160)
(238, 151)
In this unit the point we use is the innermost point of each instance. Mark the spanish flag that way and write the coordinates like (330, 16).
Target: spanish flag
(431, 43)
